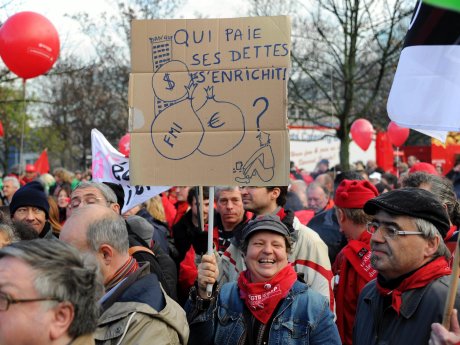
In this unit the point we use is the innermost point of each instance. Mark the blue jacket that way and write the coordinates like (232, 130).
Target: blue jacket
(303, 317)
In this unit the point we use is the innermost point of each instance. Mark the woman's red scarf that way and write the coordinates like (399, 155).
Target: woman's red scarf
(262, 298)
(431, 271)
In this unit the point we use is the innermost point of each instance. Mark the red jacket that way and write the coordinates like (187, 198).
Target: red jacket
(170, 210)
(188, 272)
(353, 267)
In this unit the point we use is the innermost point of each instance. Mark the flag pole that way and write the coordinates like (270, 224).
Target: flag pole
(210, 232)
(452, 288)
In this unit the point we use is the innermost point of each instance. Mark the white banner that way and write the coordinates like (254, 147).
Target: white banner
(109, 165)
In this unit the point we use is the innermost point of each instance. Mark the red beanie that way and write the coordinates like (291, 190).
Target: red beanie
(425, 167)
(354, 194)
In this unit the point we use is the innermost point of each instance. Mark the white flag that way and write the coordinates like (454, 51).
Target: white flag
(426, 87)
(109, 165)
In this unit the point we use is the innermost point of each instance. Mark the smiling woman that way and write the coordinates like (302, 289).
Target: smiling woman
(268, 297)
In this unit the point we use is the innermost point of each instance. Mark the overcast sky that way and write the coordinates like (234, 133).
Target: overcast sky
(69, 31)
(56, 9)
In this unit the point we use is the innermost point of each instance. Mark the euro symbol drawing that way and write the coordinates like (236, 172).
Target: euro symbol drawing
(214, 121)
(171, 84)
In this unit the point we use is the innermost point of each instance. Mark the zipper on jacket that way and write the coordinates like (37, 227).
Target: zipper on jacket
(260, 336)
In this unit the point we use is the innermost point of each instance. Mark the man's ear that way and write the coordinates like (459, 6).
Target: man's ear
(447, 211)
(115, 207)
(432, 246)
(275, 193)
(106, 252)
(63, 315)
(340, 215)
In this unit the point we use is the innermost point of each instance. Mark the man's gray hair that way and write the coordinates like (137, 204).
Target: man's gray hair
(429, 232)
(63, 273)
(12, 179)
(110, 230)
(314, 185)
(106, 191)
(220, 189)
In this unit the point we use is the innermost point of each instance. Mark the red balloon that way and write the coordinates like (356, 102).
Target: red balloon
(361, 131)
(397, 135)
(124, 145)
(29, 44)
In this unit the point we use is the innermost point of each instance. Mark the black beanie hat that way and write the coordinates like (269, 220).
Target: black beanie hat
(413, 202)
(32, 195)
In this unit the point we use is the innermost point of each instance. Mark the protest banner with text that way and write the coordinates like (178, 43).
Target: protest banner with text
(208, 101)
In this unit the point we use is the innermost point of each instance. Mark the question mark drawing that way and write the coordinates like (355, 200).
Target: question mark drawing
(262, 161)
(264, 99)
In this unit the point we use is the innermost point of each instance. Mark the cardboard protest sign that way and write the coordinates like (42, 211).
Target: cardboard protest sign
(109, 165)
(208, 101)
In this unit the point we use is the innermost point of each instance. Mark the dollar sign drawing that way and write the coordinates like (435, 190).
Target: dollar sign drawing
(171, 84)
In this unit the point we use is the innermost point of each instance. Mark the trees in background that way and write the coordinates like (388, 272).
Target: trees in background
(343, 60)
(81, 93)
(344, 57)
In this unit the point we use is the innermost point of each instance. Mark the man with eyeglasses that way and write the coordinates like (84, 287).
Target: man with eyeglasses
(29, 205)
(90, 193)
(139, 230)
(48, 294)
(352, 266)
(411, 259)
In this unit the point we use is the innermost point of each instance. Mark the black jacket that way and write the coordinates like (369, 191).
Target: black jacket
(161, 263)
(375, 324)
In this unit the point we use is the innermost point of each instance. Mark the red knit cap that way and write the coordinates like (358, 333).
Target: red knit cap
(425, 167)
(354, 194)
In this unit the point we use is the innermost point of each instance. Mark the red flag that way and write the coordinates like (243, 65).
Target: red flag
(41, 164)
(2, 133)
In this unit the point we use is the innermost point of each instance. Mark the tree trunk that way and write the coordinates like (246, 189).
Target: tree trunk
(344, 137)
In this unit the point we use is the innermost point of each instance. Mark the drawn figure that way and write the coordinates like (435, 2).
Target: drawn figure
(177, 131)
(218, 116)
(261, 163)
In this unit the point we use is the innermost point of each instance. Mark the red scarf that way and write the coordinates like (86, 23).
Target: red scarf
(431, 271)
(358, 253)
(129, 267)
(262, 298)
(450, 233)
(281, 213)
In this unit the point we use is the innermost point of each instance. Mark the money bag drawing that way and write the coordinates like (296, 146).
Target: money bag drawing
(191, 123)
(179, 117)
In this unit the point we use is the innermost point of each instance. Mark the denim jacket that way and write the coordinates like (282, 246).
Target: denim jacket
(303, 317)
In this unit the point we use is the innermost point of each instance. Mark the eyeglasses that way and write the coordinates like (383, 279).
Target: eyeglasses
(6, 300)
(25, 210)
(387, 230)
(88, 200)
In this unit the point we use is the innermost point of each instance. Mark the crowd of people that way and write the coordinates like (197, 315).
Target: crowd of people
(337, 257)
